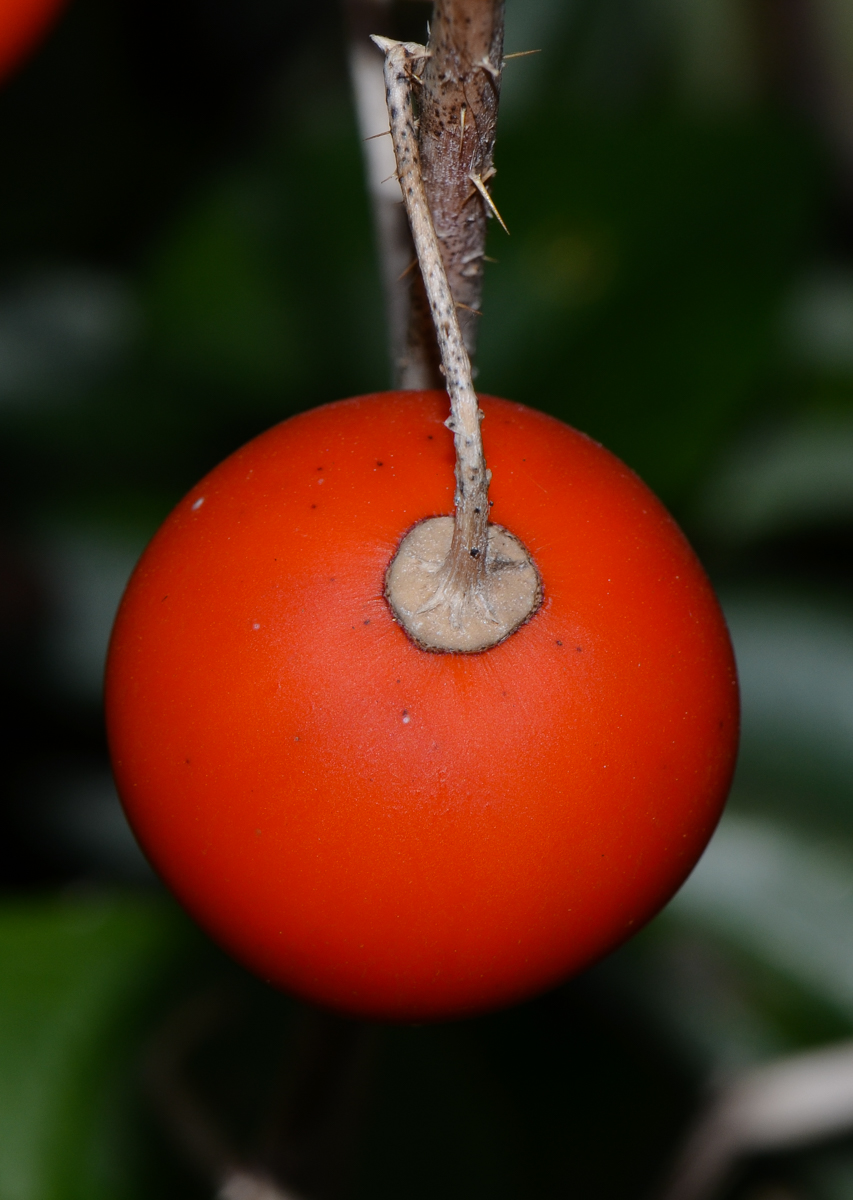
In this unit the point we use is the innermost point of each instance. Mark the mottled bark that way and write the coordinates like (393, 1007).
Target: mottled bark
(457, 103)
(458, 109)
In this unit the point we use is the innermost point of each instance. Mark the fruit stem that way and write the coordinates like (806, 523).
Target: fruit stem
(459, 586)
(464, 569)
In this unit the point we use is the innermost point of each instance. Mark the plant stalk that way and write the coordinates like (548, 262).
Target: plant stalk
(467, 560)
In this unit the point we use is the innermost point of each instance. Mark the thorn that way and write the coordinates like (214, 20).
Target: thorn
(385, 44)
(396, 176)
(412, 49)
(520, 54)
(462, 130)
(373, 136)
(468, 308)
(412, 264)
(483, 190)
(491, 260)
(487, 66)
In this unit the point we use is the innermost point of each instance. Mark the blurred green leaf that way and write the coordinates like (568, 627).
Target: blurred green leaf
(75, 974)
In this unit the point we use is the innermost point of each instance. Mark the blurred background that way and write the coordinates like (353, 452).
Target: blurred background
(186, 258)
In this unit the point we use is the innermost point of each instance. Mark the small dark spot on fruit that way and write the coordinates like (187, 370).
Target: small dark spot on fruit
(559, 643)
(332, 579)
(579, 649)
(367, 622)
(474, 552)
(319, 468)
(187, 761)
(379, 464)
(164, 598)
(313, 505)
(429, 437)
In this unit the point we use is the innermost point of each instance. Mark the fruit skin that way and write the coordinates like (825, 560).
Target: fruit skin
(396, 833)
(22, 24)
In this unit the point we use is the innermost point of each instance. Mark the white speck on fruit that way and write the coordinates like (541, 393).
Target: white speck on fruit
(406, 717)
(256, 625)
(321, 481)
(197, 505)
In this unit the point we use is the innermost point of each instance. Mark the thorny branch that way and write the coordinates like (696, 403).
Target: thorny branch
(458, 109)
(466, 563)
(457, 104)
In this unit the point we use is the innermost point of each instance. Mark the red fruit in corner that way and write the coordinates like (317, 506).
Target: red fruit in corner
(400, 833)
(22, 24)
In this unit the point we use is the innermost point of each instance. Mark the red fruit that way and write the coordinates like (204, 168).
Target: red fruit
(395, 832)
(22, 24)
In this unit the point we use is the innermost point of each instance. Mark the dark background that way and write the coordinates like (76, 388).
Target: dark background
(186, 258)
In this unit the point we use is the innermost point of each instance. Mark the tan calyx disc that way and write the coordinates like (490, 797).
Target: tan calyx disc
(439, 615)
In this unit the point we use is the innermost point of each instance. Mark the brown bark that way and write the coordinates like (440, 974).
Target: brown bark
(457, 102)
(458, 108)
